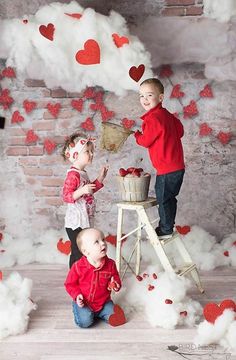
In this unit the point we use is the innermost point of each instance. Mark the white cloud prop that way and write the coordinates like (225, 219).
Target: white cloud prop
(219, 10)
(222, 332)
(15, 305)
(54, 61)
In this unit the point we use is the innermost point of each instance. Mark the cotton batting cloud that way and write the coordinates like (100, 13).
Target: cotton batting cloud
(15, 305)
(219, 10)
(71, 47)
(161, 297)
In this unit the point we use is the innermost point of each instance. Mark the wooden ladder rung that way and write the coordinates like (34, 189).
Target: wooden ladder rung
(185, 269)
(173, 237)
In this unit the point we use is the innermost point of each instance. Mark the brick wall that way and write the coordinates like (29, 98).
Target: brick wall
(182, 8)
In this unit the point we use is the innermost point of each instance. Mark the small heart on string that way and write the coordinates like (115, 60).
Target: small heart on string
(77, 104)
(191, 109)
(87, 124)
(106, 114)
(29, 106)
(49, 146)
(54, 109)
(9, 72)
(89, 93)
(127, 124)
(176, 93)
(206, 92)
(166, 71)
(17, 117)
(31, 137)
(205, 130)
(224, 137)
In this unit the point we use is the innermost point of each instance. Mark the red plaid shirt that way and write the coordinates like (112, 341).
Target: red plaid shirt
(83, 278)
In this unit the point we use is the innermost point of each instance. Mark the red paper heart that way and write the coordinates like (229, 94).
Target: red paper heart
(74, 15)
(128, 124)
(89, 93)
(183, 230)
(77, 104)
(118, 317)
(49, 146)
(106, 114)
(9, 72)
(1, 236)
(29, 106)
(25, 21)
(1, 276)
(64, 247)
(99, 97)
(120, 40)
(87, 124)
(226, 253)
(212, 311)
(17, 117)
(151, 287)
(205, 130)
(136, 72)
(31, 137)
(5, 99)
(154, 276)
(191, 109)
(206, 92)
(54, 109)
(183, 313)
(224, 137)
(168, 301)
(176, 93)
(166, 71)
(90, 55)
(47, 31)
(139, 278)
(96, 106)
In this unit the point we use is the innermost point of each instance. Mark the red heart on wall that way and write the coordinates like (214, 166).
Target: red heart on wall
(49, 146)
(224, 137)
(120, 40)
(128, 124)
(47, 31)
(118, 317)
(166, 71)
(96, 106)
(17, 117)
(136, 72)
(90, 55)
(77, 104)
(205, 130)
(31, 137)
(87, 124)
(212, 311)
(191, 109)
(89, 93)
(106, 114)
(29, 106)
(74, 15)
(176, 93)
(64, 247)
(54, 109)
(5, 99)
(206, 92)
(183, 230)
(9, 72)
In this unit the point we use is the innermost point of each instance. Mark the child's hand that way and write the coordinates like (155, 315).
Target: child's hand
(88, 188)
(103, 173)
(137, 133)
(113, 285)
(80, 300)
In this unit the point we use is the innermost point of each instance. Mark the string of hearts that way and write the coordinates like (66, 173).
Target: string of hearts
(191, 110)
(49, 145)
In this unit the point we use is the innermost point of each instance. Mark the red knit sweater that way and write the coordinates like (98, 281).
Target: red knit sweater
(162, 133)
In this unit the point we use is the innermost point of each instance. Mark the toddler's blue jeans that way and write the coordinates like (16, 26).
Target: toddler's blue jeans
(167, 187)
(84, 316)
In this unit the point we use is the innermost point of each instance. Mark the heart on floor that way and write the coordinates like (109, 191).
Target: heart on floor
(118, 317)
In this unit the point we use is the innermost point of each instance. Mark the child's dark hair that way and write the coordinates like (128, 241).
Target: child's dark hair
(71, 139)
(155, 82)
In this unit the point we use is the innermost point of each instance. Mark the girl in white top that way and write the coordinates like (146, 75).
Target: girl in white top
(78, 190)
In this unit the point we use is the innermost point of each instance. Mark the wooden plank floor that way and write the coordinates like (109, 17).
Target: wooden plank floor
(52, 334)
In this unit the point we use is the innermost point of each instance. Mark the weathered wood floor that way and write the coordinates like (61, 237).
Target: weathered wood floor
(53, 336)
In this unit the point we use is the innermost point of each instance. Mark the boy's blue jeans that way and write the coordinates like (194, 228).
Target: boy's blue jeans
(84, 316)
(167, 188)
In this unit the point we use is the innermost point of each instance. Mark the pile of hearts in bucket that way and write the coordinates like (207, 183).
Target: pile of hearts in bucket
(212, 311)
(132, 171)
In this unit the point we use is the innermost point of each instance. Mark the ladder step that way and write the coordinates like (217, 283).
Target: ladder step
(185, 269)
(173, 237)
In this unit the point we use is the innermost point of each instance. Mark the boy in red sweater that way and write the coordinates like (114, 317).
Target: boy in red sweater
(90, 281)
(161, 135)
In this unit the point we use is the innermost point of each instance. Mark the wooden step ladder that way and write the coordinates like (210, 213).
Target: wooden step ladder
(159, 245)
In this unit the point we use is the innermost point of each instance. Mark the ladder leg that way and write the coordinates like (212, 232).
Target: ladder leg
(118, 237)
(196, 278)
(154, 240)
(138, 248)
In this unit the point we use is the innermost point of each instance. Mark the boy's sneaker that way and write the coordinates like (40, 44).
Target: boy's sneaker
(162, 235)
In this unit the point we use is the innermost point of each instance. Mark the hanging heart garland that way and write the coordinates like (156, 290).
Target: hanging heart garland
(47, 31)
(5, 99)
(29, 106)
(120, 40)
(206, 92)
(127, 124)
(77, 104)
(8, 72)
(49, 146)
(17, 117)
(224, 137)
(136, 72)
(90, 55)
(166, 71)
(89, 93)
(106, 114)
(176, 93)
(31, 137)
(205, 130)
(87, 124)
(190, 110)
(54, 109)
